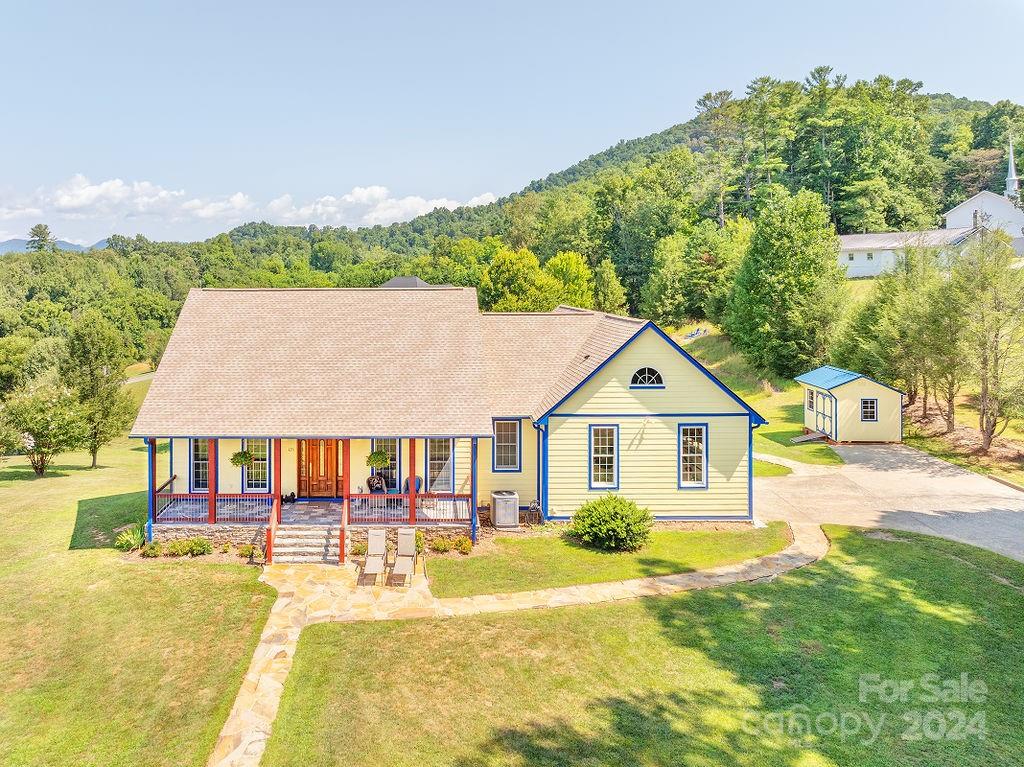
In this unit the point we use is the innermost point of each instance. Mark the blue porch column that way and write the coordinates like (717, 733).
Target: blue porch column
(150, 486)
(472, 489)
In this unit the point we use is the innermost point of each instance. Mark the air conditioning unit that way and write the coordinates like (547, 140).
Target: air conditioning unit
(505, 508)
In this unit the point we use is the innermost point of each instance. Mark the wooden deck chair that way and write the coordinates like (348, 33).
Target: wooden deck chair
(376, 552)
(405, 557)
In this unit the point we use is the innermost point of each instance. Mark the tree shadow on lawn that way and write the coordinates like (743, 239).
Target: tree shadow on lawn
(784, 662)
(97, 519)
(651, 565)
(24, 473)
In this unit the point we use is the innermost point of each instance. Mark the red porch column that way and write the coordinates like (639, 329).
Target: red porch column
(211, 482)
(412, 481)
(277, 477)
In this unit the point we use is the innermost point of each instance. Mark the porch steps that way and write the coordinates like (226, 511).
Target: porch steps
(307, 544)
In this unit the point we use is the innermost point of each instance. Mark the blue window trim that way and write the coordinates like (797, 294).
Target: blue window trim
(590, 456)
(754, 415)
(398, 462)
(519, 446)
(679, 455)
(650, 386)
(191, 465)
(868, 399)
(244, 484)
(426, 463)
(647, 386)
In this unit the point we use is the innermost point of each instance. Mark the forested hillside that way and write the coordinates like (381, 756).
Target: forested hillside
(619, 230)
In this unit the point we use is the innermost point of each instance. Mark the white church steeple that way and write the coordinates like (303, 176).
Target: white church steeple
(1012, 182)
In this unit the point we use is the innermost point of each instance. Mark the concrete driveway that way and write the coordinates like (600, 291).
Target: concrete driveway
(897, 487)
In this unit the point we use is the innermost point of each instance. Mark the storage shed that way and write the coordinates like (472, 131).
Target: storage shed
(845, 406)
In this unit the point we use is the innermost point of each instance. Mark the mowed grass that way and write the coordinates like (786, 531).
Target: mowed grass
(695, 679)
(553, 559)
(105, 661)
(769, 469)
(779, 400)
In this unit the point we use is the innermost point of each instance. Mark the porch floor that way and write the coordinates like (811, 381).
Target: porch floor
(429, 512)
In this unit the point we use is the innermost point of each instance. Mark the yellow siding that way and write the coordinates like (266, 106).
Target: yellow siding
(648, 472)
(289, 466)
(523, 482)
(852, 429)
(687, 389)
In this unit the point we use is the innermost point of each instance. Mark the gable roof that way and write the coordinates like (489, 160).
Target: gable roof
(408, 282)
(321, 363)
(926, 238)
(363, 362)
(828, 377)
(983, 194)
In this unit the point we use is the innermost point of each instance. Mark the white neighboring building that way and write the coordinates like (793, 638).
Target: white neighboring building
(868, 255)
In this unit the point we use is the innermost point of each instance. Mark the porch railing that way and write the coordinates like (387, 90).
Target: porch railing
(184, 508)
(393, 509)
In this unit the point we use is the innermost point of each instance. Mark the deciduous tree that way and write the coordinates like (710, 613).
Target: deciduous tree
(47, 421)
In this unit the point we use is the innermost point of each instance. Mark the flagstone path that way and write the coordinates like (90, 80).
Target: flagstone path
(321, 593)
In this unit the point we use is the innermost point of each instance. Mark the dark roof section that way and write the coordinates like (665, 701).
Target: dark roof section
(410, 282)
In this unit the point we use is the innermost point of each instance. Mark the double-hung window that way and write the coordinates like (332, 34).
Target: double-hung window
(440, 466)
(256, 478)
(507, 450)
(604, 457)
(810, 399)
(390, 472)
(200, 465)
(693, 455)
(869, 410)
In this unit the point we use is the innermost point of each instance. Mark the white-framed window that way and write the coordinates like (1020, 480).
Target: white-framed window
(871, 256)
(604, 457)
(256, 478)
(646, 378)
(507, 446)
(391, 472)
(810, 400)
(200, 459)
(693, 455)
(869, 409)
(440, 465)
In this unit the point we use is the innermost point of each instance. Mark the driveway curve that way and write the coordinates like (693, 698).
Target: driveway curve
(897, 487)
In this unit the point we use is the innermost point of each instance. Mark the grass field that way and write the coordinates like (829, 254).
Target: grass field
(696, 679)
(107, 662)
(543, 561)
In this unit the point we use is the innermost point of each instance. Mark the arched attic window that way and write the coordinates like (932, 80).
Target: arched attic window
(647, 378)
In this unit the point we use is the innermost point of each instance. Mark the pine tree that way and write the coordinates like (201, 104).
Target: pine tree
(609, 295)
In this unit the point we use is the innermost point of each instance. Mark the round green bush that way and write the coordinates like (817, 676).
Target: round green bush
(612, 523)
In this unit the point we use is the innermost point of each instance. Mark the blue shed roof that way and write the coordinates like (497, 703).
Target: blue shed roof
(828, 377)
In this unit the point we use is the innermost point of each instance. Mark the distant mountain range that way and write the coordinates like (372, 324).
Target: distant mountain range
(17, 246)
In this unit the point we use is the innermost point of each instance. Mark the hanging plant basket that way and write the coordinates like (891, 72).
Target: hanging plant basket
(243, 458)
(378, 459)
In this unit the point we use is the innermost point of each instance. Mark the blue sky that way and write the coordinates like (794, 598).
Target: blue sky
(179, 120)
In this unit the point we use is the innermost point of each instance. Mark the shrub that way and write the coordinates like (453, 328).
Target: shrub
(613, 523)
(198, 546)
(225, 548)
(131, 539)
(178, 548)
(441, 545)
(358, 549)
(421, 541)
(153, 549)
(463, 544)
(246, 550)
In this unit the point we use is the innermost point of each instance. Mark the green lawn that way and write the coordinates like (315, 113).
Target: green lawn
(689, 680)
(768, 469)
(777, 399)
(543, 561)
(105, 661)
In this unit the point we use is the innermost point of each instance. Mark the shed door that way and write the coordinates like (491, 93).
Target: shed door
(823, 414)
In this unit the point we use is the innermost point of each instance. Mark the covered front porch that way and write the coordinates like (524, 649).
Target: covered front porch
(310, 482)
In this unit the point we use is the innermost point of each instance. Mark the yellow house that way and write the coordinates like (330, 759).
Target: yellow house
(272, 400)
(845, 406)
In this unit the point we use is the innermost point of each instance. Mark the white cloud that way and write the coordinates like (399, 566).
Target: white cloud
(115, 205)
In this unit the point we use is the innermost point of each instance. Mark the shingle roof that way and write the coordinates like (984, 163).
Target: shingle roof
(927, 238)
(322, 363)
(535, 359)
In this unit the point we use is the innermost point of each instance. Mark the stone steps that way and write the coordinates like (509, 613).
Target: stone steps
(307, 543)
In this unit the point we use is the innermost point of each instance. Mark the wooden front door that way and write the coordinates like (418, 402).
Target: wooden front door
(318, 468)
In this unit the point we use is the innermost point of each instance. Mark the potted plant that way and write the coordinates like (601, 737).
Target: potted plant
(378, 459)
(243, 458)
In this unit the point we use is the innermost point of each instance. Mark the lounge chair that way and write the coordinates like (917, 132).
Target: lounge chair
(405, 557)
(376, 553)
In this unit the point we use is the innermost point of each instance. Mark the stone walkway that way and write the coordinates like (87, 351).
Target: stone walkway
(310, 594)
